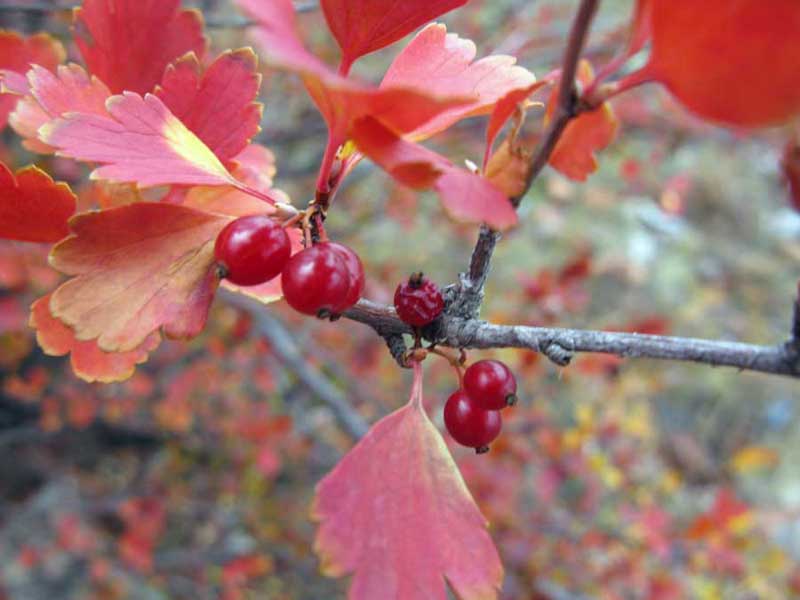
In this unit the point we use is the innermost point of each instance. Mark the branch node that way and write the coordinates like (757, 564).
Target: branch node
(397, 348)
(557, 353)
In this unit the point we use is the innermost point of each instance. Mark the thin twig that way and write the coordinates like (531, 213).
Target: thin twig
(568, 106)
(286, 349)
(559, 344)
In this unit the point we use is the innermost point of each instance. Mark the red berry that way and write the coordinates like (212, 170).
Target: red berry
(469, 424)
(418, 301)
(491, 384)
(355, 271)
(315, 281)
(252, 250)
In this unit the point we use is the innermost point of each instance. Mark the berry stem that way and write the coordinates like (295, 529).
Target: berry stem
(457, 362)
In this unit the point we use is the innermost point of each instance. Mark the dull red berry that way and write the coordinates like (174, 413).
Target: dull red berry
(469, 424)
(491, 384)
(355, 271)
(315, 281)
(252, 250)
(418, 301)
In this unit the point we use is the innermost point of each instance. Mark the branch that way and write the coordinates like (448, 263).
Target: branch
(567, 107)
(465, 298)
(286, 349)
(559, 344)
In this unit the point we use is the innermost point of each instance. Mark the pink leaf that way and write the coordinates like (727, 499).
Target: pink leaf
(466, 196)
(50, 95)
(442, 64)
(140, 141)
(396, 513)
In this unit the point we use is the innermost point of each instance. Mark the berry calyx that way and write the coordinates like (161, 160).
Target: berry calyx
(418, 301)
(315, 281)
(469, 424)
(355, 271)
(491, 384)
(252, 250)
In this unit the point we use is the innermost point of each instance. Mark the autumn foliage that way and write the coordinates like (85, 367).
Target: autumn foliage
(158, 131)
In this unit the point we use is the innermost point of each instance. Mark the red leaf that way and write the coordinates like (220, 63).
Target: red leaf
(363, 26)
(340, 100)
(135, 269)
(218, 106)
(129, 43)
(141, 142)
(50, 96)
(738, 66)
(396, 513)
(16, 56)
(33, 207)
(466, 196)
(442, 64)
(588, 133)
(88, 361)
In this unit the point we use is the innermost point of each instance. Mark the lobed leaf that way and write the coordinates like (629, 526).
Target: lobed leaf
(341, 100)
(129, 43)
(139, 141)
(396, 513)
(135, 269)
(216, 103)
(33, 207)
(363, 26)
(88, 361)
(50, 95)
(17, 54)
(442, 64)
(466, 196)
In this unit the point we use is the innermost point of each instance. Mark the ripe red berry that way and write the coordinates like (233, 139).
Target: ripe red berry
(469, 424)
(355, 271)
(252, 250)
(418, 301)
(491, 384)
(315, 281)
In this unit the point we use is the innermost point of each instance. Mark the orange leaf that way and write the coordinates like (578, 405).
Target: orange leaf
(218, 106)
(129, 43)
(737, 67)
(135, 269)
(50, 96)
(396, 513)
(588, 133)
(442, 64)
(33, 207)
(363, 26)
(466, 196)
(16, 56)
(502, 111)
(88, 361)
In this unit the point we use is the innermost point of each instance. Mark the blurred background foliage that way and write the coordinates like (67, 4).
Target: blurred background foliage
(612, 479)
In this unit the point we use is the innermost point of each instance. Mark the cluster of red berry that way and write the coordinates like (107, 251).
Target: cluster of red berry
(472, 413)
(323, 280)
